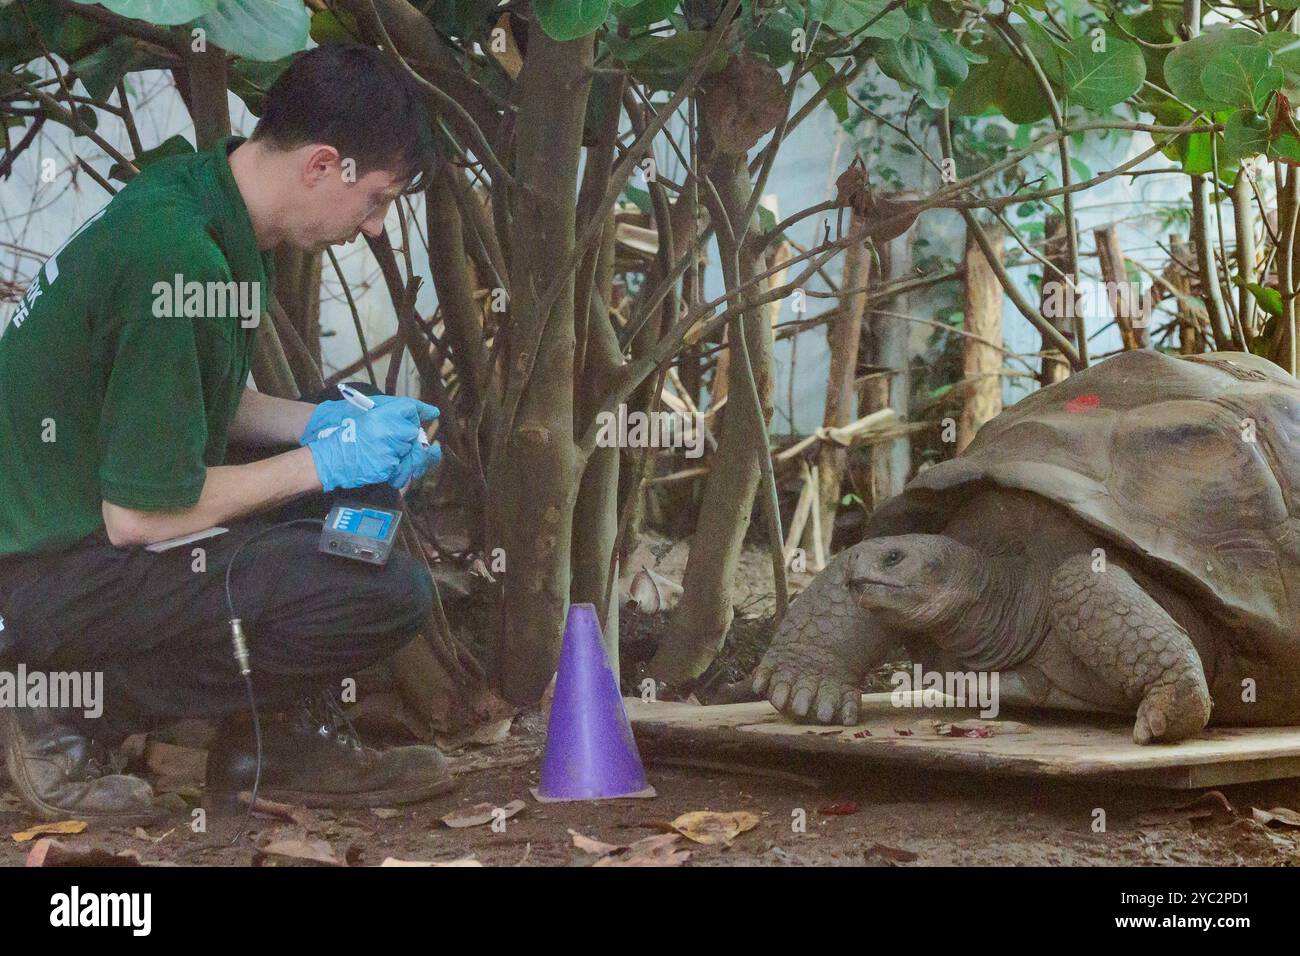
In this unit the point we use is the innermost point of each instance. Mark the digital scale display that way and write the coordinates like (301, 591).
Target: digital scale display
(361, 532)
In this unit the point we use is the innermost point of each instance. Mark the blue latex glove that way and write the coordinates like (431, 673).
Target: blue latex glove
(367, 447)
(417, 461)
(330, 414)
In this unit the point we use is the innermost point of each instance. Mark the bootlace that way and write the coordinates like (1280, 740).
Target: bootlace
(329, 720)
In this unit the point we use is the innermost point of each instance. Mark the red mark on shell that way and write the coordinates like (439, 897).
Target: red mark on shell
(1082, 403)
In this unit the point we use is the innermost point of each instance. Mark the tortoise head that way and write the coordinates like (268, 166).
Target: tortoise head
(915, 580)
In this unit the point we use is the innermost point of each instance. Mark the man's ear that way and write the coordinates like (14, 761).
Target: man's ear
(320, 164)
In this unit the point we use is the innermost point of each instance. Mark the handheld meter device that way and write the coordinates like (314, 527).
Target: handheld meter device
(360, 531)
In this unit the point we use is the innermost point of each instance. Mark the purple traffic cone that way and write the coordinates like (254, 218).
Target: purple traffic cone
(590, 751)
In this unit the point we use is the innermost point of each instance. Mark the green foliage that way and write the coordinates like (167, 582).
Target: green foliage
(1101, 72)
(1186, 66)
(850, 16)
(26, 30)
(663, 61)
(263, 30)
(333, 26)
(926, 60)
(161, 12)
(570, 19)
(175, 146)
(642, 13)
(251, 79)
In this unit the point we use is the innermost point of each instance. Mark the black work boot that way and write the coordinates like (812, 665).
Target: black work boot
(312, 757)
(64, 775)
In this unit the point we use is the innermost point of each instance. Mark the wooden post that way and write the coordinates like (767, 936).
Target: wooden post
(843, 335)
(1124, 302)
(1191, 338)
(1054, 366)
(981, 361)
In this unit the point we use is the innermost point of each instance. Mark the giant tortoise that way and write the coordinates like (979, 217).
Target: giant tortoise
(1127, 540)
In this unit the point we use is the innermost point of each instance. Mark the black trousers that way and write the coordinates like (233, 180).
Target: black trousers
(157, 625)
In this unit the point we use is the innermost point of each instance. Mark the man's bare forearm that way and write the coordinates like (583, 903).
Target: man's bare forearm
(266, 420)
(229, 492)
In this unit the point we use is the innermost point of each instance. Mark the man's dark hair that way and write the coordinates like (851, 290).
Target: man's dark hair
(357, 100)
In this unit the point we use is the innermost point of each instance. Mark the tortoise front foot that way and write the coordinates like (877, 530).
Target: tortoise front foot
(1172, 711)
(808, 686)
(1130, 644)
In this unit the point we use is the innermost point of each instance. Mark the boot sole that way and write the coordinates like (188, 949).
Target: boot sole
(371, 798)
(17, 768)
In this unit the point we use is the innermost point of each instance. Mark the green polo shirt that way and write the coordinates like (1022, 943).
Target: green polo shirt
(126, 360)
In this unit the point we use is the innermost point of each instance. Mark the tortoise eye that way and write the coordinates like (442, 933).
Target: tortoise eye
(891, 558)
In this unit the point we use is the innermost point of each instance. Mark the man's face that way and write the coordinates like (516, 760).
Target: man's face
(338, 203)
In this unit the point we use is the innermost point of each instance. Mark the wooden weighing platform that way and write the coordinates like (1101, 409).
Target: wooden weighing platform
(1043, 744)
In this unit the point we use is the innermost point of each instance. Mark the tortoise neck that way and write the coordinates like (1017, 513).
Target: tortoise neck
(994, 613)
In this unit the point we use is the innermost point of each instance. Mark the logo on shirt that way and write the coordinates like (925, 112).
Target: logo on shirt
(208, 300)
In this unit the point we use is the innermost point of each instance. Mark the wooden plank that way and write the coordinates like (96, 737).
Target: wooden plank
(1048, 744)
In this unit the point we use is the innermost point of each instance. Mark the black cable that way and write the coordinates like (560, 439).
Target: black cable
(242, 659)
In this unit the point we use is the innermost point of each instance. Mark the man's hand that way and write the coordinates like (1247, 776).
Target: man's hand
(331, 414)
(417, 461)
(367, 447)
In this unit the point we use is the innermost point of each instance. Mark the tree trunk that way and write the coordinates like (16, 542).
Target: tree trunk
(982, 356)
(297, 286)
(595, 518)
(534, 469)
(701, 619)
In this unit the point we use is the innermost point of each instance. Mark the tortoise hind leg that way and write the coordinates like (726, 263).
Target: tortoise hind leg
(1128, 641)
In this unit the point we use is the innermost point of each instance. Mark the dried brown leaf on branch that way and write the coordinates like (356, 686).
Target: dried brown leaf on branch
(743, 101)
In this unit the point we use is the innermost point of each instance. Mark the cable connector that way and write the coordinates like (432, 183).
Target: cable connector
(241, 645)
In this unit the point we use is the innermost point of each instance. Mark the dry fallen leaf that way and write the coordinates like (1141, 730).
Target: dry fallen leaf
(394, 861)
(1281, 815)
(480, 814)
(711, 828)
(385, 813)
(50, 852)
(657, 850)
(41, 829)
(1204, 807)
(315, 851)
(890, 855)
(595, 847)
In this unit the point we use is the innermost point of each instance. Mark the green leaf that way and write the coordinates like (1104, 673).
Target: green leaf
(1189, 62)
(175, 146)
(1285, 146)
(1243, 76)
(662, 61)
(262, 30)
(1270, 300)
(774, 38)
(849, 16)
(162, 12)
(926, 60)
(643, 13)
(25, 31)
(641, 198)
(333, 26)
(1245, 134)
(570, 19)
(1100, 79)
(100, 71)
(837, 99)
(251, 79)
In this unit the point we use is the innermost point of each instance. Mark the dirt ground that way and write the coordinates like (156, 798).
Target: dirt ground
(850, 820)
(849, 816)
